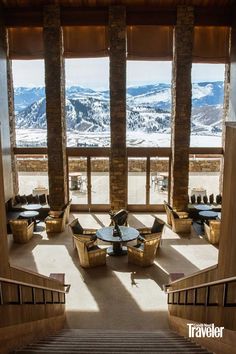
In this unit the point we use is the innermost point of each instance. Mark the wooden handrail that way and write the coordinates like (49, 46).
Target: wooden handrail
(204, 285)
(191, 275)
(30, 285)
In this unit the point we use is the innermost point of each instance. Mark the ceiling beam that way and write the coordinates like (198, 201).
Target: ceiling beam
(16, 17)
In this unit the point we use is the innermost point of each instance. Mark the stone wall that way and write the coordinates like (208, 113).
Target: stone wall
(118, 157)
(181, 106)
(55, 106)
(40, 165)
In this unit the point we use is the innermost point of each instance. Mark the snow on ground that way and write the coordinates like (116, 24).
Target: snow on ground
(38, 137)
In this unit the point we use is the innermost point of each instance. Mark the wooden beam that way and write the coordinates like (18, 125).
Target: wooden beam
(86, 17)
(23, 17)
(29, 17)
(131, 151)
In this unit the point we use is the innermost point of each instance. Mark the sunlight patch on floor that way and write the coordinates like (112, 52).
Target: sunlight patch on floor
(54, 259)
(145, 291)
(202, 256)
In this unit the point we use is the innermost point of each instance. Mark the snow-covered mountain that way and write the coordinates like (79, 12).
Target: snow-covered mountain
(148, 108)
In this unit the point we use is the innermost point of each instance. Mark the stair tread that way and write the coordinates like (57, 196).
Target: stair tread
(111, 341)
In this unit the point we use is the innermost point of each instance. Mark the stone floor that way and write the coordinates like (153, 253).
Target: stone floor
(119, 295)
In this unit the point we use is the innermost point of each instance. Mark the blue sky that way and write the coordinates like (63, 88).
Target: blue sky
(94, 73)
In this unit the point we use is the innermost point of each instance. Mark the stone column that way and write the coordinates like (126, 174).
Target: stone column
(55, 106)
(181, 106)
(118, 156)
(12, 126)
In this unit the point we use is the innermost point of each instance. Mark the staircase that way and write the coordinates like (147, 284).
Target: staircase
(100, 342)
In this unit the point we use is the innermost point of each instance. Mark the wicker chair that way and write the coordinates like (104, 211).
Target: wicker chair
(157, 229)
(83, 234)
(90, 255)
(21, 230)
(180, 225)
(67, 211)
(55, 221)
(169, 212)
(120, 218)
(212, 231)
(145, 253)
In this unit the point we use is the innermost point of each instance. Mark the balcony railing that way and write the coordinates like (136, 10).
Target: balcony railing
(12, 288)
(181, 296)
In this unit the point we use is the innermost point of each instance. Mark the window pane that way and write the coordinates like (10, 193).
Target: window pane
(207, 105)
(159, 174)
(30, 103)
(204, 175)
(100, 180)
(87, 102)
(78, 180)
(148, 103)
(137, 180)
(32, 174)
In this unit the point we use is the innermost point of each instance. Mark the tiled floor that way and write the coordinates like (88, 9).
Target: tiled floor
(118, 295)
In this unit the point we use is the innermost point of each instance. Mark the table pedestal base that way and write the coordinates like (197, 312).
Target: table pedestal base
(117, 250)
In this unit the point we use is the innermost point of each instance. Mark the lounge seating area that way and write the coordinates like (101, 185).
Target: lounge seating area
(128, 282)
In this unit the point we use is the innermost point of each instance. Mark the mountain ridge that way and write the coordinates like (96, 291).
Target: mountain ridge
(148, 108)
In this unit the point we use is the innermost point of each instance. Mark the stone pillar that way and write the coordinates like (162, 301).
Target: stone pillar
(55, 106)
(181, 106)
(12, 126)
(118, 156)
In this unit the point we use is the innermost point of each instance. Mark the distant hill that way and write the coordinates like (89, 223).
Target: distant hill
(148, 108)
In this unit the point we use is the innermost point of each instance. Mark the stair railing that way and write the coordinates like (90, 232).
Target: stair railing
(39, 294)
(181, 296)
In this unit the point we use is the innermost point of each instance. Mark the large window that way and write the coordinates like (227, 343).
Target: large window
(207, 105)
(204, 175)
(32, 174)
(148, 181)
(148, 103)
(137, 168)
(30, 103)
(100, 180)
(87, 102)
(78, 180)
(159, 180)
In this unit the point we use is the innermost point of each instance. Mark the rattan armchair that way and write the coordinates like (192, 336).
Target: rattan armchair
(55, 221)
(212, 231)
(144, 254)
(67, 211)
(180, 225)
(21, 230)
(90, 255)
(156, 229)
(169, 211)
(84, 234)
(119, 218)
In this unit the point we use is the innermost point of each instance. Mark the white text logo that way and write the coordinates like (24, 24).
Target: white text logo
(204, 330)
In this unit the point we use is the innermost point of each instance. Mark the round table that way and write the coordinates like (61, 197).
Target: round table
(127, 234)
(32, 207)
(208, 214)
(30, 214)
(202, 207)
